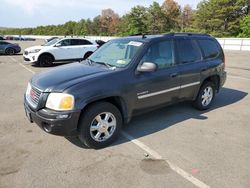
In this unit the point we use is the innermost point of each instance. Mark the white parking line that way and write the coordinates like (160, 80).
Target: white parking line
(22, 65)
(175, 168)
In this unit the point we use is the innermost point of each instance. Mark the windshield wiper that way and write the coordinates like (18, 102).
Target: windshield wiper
(102, 63)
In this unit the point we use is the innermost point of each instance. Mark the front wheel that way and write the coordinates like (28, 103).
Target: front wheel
(100, 125)
(205, 96)
(45, 60)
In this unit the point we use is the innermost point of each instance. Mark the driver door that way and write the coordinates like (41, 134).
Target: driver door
(163, 85)
(63, 50)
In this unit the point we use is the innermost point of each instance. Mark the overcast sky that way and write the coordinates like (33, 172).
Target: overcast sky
(31, 13)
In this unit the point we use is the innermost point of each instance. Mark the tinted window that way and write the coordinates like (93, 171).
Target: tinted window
(187, 51)
(65, 42)
(84, 42)
(209, 48)
(160, 53)
(75, 42)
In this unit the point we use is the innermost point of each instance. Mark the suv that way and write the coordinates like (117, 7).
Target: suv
(95, 97)
(64, 49)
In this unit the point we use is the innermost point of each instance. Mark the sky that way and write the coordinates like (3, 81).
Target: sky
(32, 13)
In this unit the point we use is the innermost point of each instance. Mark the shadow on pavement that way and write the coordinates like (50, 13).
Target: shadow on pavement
(163, 118)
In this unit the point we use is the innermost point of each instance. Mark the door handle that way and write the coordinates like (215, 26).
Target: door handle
(203, 69)
(173, 75)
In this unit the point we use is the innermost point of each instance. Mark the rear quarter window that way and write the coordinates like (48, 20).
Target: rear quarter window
(209, 48)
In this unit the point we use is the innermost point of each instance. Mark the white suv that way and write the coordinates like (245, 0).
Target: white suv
(63, 49)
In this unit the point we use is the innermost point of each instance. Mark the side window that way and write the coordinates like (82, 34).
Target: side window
(209, 48)
(65, 42)
(187, 51)
(84, 42)
(161, 54)
(74, 42)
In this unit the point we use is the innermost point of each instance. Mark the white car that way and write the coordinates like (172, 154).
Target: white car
(64, 49)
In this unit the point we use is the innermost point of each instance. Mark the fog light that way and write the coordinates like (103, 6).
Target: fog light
(33, 57)
(47, 127)
(62, 116)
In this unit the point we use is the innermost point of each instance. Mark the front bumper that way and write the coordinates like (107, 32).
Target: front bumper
(50, 122)
(31, 57)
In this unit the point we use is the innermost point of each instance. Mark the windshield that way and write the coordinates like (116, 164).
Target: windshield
(117, 53)
(52, 42)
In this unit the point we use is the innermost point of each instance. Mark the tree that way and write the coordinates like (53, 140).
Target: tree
(156, 21)
(186, 18)
(220, 17)
(135, 21)
(245, 27)
(172, 12)
(109, 21)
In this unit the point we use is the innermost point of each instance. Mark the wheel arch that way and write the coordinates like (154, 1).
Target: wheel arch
(46, 53)
(214, 79)
(117, 101)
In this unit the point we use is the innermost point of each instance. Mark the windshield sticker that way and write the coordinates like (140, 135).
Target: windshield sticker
(122, 62)
(134, 43)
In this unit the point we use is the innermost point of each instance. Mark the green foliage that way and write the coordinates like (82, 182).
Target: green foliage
(245, 27)
(220, 18)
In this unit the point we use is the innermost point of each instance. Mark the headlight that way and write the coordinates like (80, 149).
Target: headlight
(34, 51)
(28, 90)
(60, 101)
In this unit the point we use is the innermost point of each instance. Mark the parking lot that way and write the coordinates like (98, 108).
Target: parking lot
(175, 146)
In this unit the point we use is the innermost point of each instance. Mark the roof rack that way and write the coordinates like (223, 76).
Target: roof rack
(142, 34)
(187, 34)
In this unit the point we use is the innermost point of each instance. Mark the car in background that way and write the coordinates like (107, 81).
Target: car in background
(65, 49)
(2, 38)
(9, 48)
(50, 39)
(100, 42)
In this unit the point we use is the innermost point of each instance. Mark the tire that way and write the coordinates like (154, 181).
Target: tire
(45, 60)
(205, 96)
(94, 136)
(10, 51)
(87, 55)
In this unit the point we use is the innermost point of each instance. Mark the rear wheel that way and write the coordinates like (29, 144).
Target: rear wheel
(205, 97)
(100, 125)
(45, 60)
(10, 51)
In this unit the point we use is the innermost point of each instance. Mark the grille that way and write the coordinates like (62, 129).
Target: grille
(34, 96)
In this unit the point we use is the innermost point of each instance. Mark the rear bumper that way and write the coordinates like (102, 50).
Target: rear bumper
(223, 78)
(50, 121)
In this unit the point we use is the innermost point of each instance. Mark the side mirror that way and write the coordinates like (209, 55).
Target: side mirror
(147, 67)
(58, 45)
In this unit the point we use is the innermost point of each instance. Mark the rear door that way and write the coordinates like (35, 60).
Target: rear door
(161, 86)
(86, 46)
(192, 66)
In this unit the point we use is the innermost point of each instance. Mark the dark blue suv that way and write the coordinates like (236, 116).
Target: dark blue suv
(126, 76)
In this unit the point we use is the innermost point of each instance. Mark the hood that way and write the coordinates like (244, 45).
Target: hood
(34, 48)
(60, 78)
